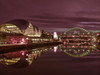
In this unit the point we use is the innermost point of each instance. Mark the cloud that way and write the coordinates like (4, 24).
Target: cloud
(56, 29)
(90, 23)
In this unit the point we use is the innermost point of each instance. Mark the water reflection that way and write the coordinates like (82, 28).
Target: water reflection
(24, 58)
(19, 58)
(55, 48)
(77, 52)
(80, 51)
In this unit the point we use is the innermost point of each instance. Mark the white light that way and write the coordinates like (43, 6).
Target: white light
(27, 38)
(10, 26)
(55, 48)
(26, 54)
(55, 36)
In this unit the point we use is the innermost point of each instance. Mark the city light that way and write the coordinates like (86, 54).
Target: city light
(55, 36)
(55, 48)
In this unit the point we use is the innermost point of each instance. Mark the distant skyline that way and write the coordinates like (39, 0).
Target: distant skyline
(53, 15)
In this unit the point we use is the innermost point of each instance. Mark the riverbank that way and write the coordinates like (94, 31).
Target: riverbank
(9, 47)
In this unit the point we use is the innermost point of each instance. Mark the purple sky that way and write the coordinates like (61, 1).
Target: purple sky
(53, 15)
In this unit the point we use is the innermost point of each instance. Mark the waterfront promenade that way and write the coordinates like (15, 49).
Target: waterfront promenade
(8, 47)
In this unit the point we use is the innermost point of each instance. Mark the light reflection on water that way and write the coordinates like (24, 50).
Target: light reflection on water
(79, 52)
(29, 56)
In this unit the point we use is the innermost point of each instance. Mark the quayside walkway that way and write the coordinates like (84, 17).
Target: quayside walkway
(9, 47)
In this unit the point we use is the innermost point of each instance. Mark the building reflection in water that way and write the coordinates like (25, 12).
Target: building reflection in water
(25, 58)
(55, 48)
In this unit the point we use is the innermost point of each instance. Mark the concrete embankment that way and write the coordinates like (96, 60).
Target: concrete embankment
(10, 48)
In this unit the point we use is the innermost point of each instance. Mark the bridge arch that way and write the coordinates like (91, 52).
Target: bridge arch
(77, 28)
(77, 55)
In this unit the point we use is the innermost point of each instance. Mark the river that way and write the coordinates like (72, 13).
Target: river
(51, 60)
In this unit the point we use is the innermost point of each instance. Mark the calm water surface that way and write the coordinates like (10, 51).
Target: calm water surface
(55, 60)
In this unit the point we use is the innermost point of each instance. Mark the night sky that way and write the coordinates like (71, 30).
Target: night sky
(53, 15)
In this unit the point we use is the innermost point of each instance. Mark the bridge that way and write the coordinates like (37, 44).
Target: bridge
(79, 38)
(15, 36)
